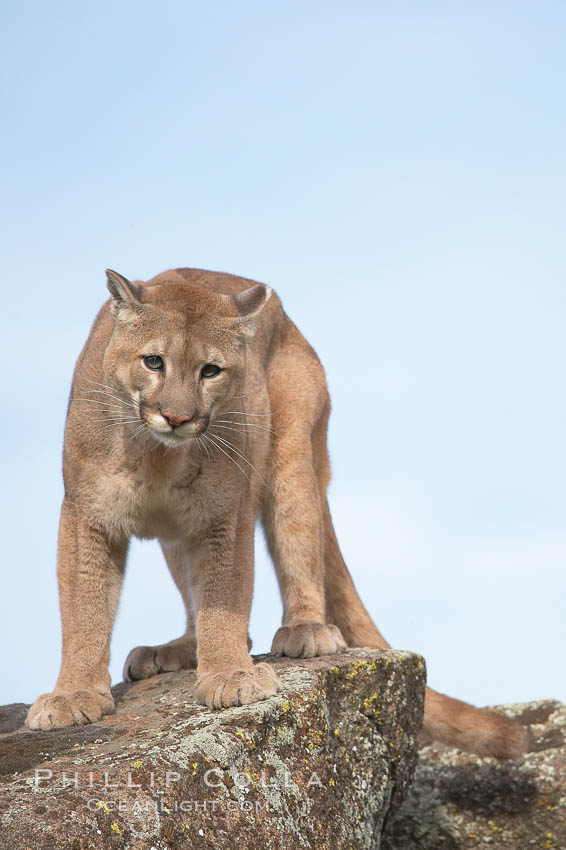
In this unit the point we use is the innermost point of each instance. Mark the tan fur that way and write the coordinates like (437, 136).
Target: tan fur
(129, 472)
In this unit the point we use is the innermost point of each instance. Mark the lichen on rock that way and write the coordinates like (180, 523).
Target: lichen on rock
(460, 802)
(321, 765)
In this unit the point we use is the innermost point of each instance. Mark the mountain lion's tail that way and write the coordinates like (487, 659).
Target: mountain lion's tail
(445, 719)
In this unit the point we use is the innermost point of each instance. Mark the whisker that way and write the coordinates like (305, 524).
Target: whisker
(98, 384)
(238, 430)
(229, 445)
(90, 411)
(226, 428)
(143, 428)
(247, 424)
(100, 402)
(118, 422)
(115, 418)
(205, 446)
(207, 443)
(245, 413)
(115, 397)
(110, 411)
(235, 462)
(112, 395)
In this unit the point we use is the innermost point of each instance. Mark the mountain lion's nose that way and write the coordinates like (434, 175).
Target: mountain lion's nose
(175, 419)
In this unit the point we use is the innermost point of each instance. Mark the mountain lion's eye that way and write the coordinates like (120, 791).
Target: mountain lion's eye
(153, 361)
(210, 371)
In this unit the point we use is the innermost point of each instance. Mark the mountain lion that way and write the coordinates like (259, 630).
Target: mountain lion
(196, 407)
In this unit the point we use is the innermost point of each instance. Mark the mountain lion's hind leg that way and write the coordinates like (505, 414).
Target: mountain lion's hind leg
(181, 653)
(291, 514)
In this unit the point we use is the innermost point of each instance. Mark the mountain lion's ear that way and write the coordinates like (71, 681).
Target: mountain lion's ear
(126, 296)
(250, 303)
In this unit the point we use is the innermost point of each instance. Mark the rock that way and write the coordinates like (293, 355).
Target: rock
(322, 765)
(460, 802)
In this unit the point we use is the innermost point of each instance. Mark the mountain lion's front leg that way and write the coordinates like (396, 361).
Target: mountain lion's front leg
(181, 653)
(222, 581)
(292, 515)
(90, 571)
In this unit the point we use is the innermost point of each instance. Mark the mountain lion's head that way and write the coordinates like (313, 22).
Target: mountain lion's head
(178, 351)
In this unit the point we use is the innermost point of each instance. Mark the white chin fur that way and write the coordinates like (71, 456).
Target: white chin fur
(170, 439)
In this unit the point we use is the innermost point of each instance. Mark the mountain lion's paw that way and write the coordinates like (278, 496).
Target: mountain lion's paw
(51, 711)
(145, 661)
(305, 640)
(237, 687)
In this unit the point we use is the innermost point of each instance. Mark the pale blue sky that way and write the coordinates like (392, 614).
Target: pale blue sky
(397, 172)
